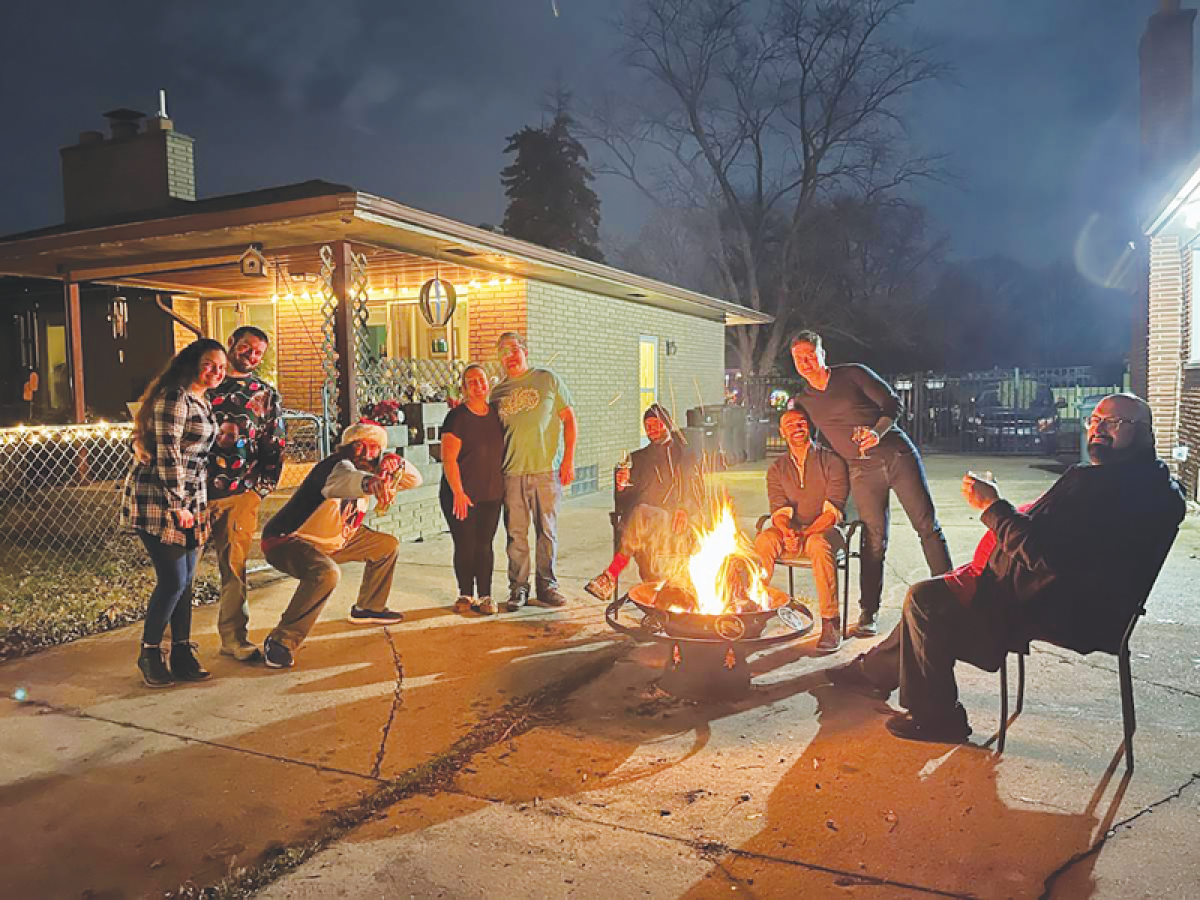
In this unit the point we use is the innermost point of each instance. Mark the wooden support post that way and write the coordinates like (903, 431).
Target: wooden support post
(343, 335)
(75, 341)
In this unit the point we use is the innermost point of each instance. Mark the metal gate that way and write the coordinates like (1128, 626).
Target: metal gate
(1020, 411)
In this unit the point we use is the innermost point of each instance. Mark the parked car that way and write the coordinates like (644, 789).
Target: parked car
(1029, 426)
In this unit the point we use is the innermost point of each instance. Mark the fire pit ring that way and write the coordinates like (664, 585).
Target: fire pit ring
(707, 655)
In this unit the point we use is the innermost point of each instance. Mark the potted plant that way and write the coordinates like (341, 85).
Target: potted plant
(389, 414)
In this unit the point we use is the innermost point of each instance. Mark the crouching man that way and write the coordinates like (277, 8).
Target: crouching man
(320, 527)
(807, 490)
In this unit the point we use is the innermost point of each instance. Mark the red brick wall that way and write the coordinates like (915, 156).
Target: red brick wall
(1169, 266)
(493, 310)
(298, 319)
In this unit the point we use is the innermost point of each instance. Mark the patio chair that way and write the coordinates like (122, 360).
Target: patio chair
(845, 553)
(1021, 648)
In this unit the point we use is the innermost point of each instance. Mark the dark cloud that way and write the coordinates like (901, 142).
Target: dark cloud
(414, 100)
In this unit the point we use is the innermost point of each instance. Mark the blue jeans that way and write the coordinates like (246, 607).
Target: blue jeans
(531, 499)
(171, 600)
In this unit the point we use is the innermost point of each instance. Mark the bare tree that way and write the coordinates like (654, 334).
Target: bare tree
(765, 116)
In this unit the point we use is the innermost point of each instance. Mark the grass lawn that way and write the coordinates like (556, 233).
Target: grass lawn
(61, 603)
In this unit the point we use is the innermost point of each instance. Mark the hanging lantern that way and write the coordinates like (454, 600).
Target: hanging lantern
(437, 302)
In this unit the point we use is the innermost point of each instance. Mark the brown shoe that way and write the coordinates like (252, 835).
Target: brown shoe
(868, 623)
(243, 652)
(831, 635)
(463, 605)
(852, 677)
(602, 586)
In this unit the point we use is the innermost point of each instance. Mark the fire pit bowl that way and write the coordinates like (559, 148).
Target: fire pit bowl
(707, 655)
(730, 626)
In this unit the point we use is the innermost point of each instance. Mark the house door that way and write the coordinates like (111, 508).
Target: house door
(647, 378)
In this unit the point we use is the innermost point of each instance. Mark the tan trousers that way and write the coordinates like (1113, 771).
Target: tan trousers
(820, 549)
(234, 520)
(319, 574)
(646, 536)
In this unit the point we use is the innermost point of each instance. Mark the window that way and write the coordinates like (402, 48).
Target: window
(647, 376)
(229, 316)
(396, 329)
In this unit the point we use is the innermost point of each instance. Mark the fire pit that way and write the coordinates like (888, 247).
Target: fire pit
(706, 654)
(711, 610)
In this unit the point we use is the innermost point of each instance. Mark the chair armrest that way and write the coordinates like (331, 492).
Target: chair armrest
(762, 520)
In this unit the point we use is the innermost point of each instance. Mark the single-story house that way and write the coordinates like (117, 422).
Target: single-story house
(334, 276)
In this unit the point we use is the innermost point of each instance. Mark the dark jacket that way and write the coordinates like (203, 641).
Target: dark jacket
(825, 477)
(666, 476)
(308, 496)
(1086, 553)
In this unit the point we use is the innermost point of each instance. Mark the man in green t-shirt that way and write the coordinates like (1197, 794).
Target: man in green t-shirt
(532, 404)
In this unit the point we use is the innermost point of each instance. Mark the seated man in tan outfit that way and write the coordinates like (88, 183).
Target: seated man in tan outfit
(319, 527)
(807, 490)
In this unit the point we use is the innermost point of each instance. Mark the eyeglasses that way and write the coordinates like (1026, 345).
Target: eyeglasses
(1112, 423)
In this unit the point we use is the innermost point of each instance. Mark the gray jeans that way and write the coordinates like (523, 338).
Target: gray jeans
(531, 498)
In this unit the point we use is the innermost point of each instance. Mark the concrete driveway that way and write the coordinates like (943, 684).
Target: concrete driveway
(530, 755)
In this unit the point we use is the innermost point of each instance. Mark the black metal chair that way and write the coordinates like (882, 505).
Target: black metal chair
(845, 553)
(1128, 714)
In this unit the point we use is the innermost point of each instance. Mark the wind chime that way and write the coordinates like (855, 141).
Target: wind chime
(118, 317)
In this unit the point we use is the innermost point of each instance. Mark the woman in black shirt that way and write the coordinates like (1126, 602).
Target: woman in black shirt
(856, 412)
(472, 489)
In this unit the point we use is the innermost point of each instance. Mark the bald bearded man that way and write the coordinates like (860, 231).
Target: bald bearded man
(1070, 568)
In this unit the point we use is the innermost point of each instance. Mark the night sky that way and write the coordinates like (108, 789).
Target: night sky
(413, 101)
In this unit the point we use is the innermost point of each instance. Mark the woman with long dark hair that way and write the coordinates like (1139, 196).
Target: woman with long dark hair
(165, 502)
(473, 488)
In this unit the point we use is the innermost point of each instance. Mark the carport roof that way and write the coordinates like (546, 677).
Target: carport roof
(211, 233)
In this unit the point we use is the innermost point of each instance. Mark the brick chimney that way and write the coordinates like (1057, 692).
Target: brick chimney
(1165, 54)
(145, 164)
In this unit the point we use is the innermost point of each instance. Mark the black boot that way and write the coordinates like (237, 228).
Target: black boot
(153, 663)
(184, 664)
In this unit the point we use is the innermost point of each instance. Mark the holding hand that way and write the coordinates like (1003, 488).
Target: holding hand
(679, 521)
(622, 478)
(184, 517)
(390, 463)
(791, 541)
(979, 490)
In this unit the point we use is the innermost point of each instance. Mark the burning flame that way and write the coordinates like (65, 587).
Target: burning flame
(725, 572)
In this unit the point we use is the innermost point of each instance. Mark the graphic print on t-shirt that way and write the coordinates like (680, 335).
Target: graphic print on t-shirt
(519, 401)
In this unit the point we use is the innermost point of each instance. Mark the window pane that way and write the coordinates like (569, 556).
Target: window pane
(262, 316)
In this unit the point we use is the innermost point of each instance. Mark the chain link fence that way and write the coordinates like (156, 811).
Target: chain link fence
(307, 444)
(60, 496)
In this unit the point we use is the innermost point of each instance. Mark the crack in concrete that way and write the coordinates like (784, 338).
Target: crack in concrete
(1076, 659)
(713, 851)
(189, 739)
(517, 717)
(1048, 884)
(397, 700)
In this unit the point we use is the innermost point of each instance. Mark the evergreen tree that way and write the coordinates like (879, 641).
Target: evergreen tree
(550, 201)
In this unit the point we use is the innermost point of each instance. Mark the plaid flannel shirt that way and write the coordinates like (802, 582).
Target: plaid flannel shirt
(174, 479)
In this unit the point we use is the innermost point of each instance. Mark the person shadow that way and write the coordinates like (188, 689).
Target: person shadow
(862, 808)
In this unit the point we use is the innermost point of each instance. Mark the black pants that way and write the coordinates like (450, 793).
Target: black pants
(474, 558)
(936, 630)
(870, 483)
(171, 599)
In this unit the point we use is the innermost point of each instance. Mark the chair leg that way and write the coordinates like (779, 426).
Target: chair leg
(846, 597)
(791, 582)
(1128, 715)
(1020, 684)
(1003, 704)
